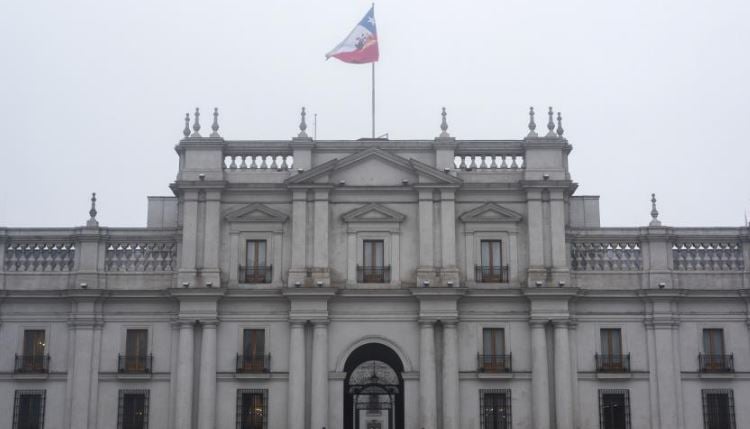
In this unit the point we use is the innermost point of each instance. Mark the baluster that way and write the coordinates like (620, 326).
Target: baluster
(513, 163)
(243, 163)
(253, 162)
(462, 164)
(263, 163)
(503, 164)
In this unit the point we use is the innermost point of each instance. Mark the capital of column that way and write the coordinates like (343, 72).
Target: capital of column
(537, 323)
(296, 323)
(561, 324)
(449, 324)
(209, 324)
(426, 324)
(183, 323)
(319, 324)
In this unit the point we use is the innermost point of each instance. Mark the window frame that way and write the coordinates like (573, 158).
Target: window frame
(239, 410)
(17, 403)
(266, 277)
(121, 405)
(730, 405)
(508, 399)
(626, 402)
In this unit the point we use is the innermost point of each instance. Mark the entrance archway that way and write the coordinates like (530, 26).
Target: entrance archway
(373, 388)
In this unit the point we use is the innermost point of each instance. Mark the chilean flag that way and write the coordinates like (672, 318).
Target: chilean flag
(361, 45)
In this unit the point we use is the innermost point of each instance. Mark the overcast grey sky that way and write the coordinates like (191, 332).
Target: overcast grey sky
(654, 93)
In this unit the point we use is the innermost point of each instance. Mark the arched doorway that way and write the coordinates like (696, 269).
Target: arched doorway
(373, 389)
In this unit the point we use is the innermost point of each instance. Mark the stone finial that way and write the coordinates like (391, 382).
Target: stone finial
(654, 213)
(196, 124)
(551, 124)
(444, 124)
(532, 124)
(92, 222)
(560, 129)
(302, 124)
(186, 131)
(215, 125)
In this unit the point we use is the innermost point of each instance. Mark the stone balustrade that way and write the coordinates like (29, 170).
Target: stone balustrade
(488, 161)
(140, 256)
(279, 162)
(606, 255)
(51, 258)
(708, 256)
(40, 255)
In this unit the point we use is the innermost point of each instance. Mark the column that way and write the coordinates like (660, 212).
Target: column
(184, 397)
(427, 393)
(426, 259)
(451, 417)
(299, 228)
(296, 388)
(665, 376)
(320, 230)
(448, 228)
(536, 237)
(83, 343)
(539, 375)
(557, 227)
(319, 399)
(207, 392)
(563, 388)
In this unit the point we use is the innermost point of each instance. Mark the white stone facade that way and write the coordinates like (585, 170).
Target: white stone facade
(431, 210)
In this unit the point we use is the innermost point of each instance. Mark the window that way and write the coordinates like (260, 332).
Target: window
(253, 358)
(33, 358)
(614, 409)
(373, 269)
(494, 409)
(256, 269)
(718, 409)
(493, 357)
(133, 409)
(714, 358)
(136, 357)
(491, 270)
(28, 409)
(252, 409)
(611, 357)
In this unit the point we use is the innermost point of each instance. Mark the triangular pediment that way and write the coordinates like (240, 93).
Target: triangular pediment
(255, 212)
(373, 213)
(490, 212)
(374, 166)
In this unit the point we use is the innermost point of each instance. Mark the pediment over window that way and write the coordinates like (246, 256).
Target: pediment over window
(490, 212)
(373, 213)
(374, 167)
(255, 212)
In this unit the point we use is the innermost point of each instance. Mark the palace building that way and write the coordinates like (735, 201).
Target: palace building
(374, 284)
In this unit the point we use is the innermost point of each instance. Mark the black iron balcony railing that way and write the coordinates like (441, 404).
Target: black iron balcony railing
(253, 363)
(491, 274)
(612, 363)
(494, 363)
(374, 274)
(256, 274)
(32, 363)
(138, 364)
(716, 363)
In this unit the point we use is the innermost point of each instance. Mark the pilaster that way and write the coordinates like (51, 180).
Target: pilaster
(427, 375)
(426, 267)
(537, 271)
(451, 397)
(539, 375)
(189, 249)
(449, 270)
(297, 272)
(320, 236)
(319, 395)
(207, 386)
(563, 383)
(296, 385)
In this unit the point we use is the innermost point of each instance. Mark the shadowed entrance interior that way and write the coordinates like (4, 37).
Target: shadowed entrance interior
(373, 389)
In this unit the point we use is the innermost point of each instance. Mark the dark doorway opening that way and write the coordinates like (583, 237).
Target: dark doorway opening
(373, 389)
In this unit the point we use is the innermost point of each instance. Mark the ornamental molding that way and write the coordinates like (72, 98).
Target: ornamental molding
(373, 213)
(255, 213)
(320, 173)
(490, 213)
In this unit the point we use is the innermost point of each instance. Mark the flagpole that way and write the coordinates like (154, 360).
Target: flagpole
(373, 99)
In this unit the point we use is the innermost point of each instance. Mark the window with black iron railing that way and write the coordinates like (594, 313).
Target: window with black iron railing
(253, 363)
(139, 364)
(32, 363)
(612, 362)
(494, 363)
(256, 274)
(716, 362)
(491, 274)
(373, 274)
